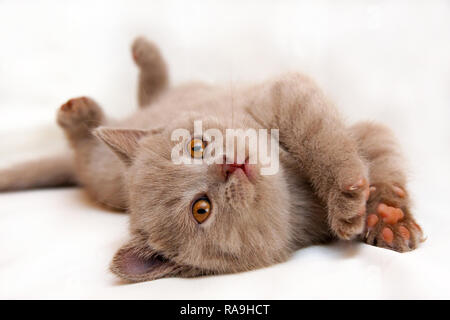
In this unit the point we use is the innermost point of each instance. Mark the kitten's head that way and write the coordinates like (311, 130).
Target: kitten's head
(194, 219)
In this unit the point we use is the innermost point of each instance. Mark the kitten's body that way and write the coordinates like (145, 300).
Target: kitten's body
(320, 193)
(99, 171)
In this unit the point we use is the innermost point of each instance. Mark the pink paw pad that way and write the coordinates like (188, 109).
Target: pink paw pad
(388, 235)
(389, 214)
(372, 220)
(389, 223)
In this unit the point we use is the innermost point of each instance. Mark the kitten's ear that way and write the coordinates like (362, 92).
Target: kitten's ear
(124, 142)
(136, 262)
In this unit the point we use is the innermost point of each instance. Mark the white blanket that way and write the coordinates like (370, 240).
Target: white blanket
(381, 60)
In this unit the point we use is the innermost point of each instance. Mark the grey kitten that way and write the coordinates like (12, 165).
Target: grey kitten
(334, 181)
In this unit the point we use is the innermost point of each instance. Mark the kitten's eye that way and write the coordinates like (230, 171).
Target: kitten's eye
(201, 209)
(196, 148)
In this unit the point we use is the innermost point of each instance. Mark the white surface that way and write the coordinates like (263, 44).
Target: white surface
(381, 60)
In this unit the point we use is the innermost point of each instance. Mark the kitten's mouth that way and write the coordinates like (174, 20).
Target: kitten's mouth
(243, 169)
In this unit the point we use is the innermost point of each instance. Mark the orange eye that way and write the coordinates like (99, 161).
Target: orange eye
(201, 209)
(196, 148)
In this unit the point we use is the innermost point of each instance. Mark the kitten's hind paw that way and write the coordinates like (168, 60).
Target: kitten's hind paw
(79, 113)
(389, 223)
(145, 53)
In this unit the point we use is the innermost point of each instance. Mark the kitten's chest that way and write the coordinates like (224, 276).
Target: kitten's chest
(308, 214)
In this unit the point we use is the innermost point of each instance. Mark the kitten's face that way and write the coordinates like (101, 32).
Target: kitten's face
(200, 219)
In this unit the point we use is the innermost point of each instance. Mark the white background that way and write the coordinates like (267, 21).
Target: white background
(381, 60)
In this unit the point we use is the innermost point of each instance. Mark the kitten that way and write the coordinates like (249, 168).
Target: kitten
(334, 181)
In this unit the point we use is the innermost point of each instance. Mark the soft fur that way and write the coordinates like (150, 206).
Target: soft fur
(320, 192)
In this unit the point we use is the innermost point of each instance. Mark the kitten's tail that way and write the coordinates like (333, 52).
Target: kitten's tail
(55, 171)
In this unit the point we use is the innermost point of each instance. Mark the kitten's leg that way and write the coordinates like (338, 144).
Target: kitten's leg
(97, 169)
(77, 117)
(153, 76)
(56, 171)
(312, 131)
(390, 223)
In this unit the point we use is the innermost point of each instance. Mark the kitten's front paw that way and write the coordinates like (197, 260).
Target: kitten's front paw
(347, 207)
(390, 225)
(79, 112)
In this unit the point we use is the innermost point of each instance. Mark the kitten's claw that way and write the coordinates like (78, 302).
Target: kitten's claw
(356, 186)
